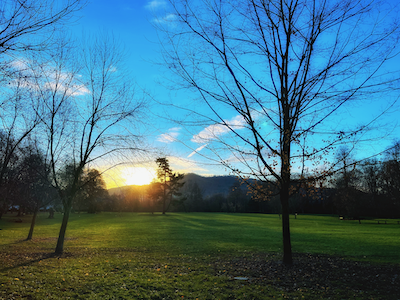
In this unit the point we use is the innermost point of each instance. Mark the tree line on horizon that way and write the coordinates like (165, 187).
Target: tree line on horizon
(367, 188)
(359, 190)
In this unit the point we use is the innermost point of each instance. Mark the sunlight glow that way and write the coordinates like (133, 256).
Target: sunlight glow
(138, 175)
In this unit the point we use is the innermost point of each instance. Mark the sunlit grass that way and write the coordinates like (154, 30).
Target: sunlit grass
(146, 256)
(212, 233)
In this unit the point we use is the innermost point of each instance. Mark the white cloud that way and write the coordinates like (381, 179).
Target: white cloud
(112, 69)
(155, 4)
(197, 150)
(213, 132)
(170, 136)
(167, 19)
(61, 81)
(70, 90)
(20, 64)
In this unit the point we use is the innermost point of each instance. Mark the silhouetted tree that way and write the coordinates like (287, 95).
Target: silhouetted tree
(9, 160)
(26, 26)
(370, 172)
(87, 104)
(237, 200)
(193, 197)
(34, 188)
(169, 184)
(30, 24)
(215, 202)
(92, 192)
(154, 193)
(345, 182)
(390, 178)
(18, 123)
(346, 176)
(371, 183)
(274, 75)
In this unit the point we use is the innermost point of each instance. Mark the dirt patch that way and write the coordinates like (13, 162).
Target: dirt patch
(325, 275)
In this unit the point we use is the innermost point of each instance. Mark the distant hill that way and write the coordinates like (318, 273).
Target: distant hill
(208, 185)
(124, 189)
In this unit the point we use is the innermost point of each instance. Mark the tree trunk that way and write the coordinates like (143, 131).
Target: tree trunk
(163, 210)
(287, 245)
(20, 210)
(2, 209)
(285, 187)
(169, 204)
(164, 196)
(30, 234)
(61, 236)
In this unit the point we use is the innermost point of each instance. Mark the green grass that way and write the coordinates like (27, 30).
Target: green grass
(145, 256)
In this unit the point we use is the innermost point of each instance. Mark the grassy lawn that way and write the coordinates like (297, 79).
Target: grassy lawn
(195, 256)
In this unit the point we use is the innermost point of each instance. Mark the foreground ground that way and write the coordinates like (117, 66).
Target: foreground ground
(199, 256)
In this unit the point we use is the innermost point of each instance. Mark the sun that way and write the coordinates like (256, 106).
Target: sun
(138, 175)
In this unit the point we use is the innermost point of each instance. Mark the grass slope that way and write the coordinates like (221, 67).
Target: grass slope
(197, 256)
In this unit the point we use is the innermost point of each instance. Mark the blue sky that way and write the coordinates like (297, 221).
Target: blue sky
(132, 22)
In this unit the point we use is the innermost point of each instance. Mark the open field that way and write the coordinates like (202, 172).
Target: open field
(197, 256)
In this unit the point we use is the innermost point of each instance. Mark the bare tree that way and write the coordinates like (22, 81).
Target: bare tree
(280, 78)
(29, 24)
(17, 123)
(390, 175)
(370, 171)
(25, 26)
(9, 159)
(34, 190)
(347, 183)
(345, 178)
(88, 105)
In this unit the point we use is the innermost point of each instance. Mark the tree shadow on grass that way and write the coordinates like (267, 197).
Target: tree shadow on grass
(15, 258)
(18, 259)
(35, 240)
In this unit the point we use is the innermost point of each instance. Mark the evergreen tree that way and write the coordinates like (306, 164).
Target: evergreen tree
(169, 184)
